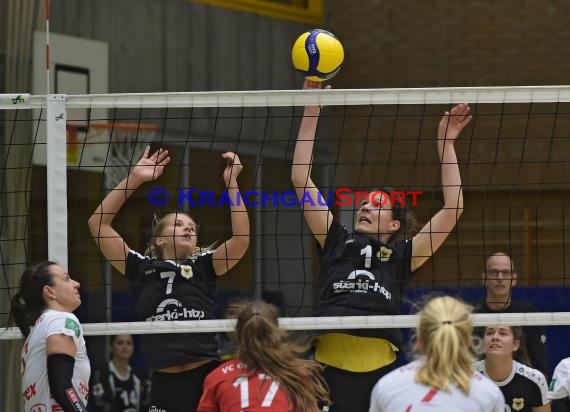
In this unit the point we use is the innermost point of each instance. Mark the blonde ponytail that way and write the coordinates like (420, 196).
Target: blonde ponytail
(444, 337)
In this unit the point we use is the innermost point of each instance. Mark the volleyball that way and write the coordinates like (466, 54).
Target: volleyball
(318, 54)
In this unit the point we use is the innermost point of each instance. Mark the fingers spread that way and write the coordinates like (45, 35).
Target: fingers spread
(162, 156)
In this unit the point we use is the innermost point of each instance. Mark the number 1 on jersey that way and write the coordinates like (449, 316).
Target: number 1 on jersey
(367, 252)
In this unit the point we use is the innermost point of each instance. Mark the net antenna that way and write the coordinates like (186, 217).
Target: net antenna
(110, 148)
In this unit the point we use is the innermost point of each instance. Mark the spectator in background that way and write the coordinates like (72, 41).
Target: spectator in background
(524, 388)
(115, 387)
(499, 279)
(559, 389)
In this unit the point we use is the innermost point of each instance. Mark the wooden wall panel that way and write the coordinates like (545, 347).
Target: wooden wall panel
(179, 45)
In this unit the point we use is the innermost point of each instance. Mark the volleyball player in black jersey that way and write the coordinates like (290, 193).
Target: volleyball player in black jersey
(365, 272)
(115, 386)
(525, 389)
(176, 282)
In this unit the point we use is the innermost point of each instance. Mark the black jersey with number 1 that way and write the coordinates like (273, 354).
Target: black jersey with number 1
(112, 392)
(362, 276)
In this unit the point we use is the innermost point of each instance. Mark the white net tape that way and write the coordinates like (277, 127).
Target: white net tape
(307, 323)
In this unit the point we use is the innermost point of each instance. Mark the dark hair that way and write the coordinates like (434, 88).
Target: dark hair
(263, 345)
(521, 354)
(401, 213)
(112, 340)
(29, 303)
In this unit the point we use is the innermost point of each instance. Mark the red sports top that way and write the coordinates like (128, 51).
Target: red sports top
(228, 388)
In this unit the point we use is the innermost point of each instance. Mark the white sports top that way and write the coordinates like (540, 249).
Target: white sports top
(560, 384)
(399, 391)
(35, 385)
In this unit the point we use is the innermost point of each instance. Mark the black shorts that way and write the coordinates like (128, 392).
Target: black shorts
(179, 392)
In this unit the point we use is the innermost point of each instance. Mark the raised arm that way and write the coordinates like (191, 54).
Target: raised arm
(228, 254)
(319, 218)
(433, 234)
(109, 241)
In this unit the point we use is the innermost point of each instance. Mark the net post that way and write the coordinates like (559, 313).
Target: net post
(57, 178)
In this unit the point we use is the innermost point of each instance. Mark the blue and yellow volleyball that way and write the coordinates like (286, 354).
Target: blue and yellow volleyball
(317, 54)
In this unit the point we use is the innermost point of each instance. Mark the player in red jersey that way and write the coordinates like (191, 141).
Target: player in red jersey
(267, 374)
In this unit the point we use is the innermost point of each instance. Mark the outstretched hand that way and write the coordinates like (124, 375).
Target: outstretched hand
(452, 123)
(310, 84)
(150, 168)
(313, 85)
(233, 167)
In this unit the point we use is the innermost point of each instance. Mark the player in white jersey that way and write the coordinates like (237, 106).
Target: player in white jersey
(399, 391)
(559, 389)
(55, 368)
(443, 378)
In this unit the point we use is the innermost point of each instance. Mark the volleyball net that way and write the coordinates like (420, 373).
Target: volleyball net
(62, 154)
